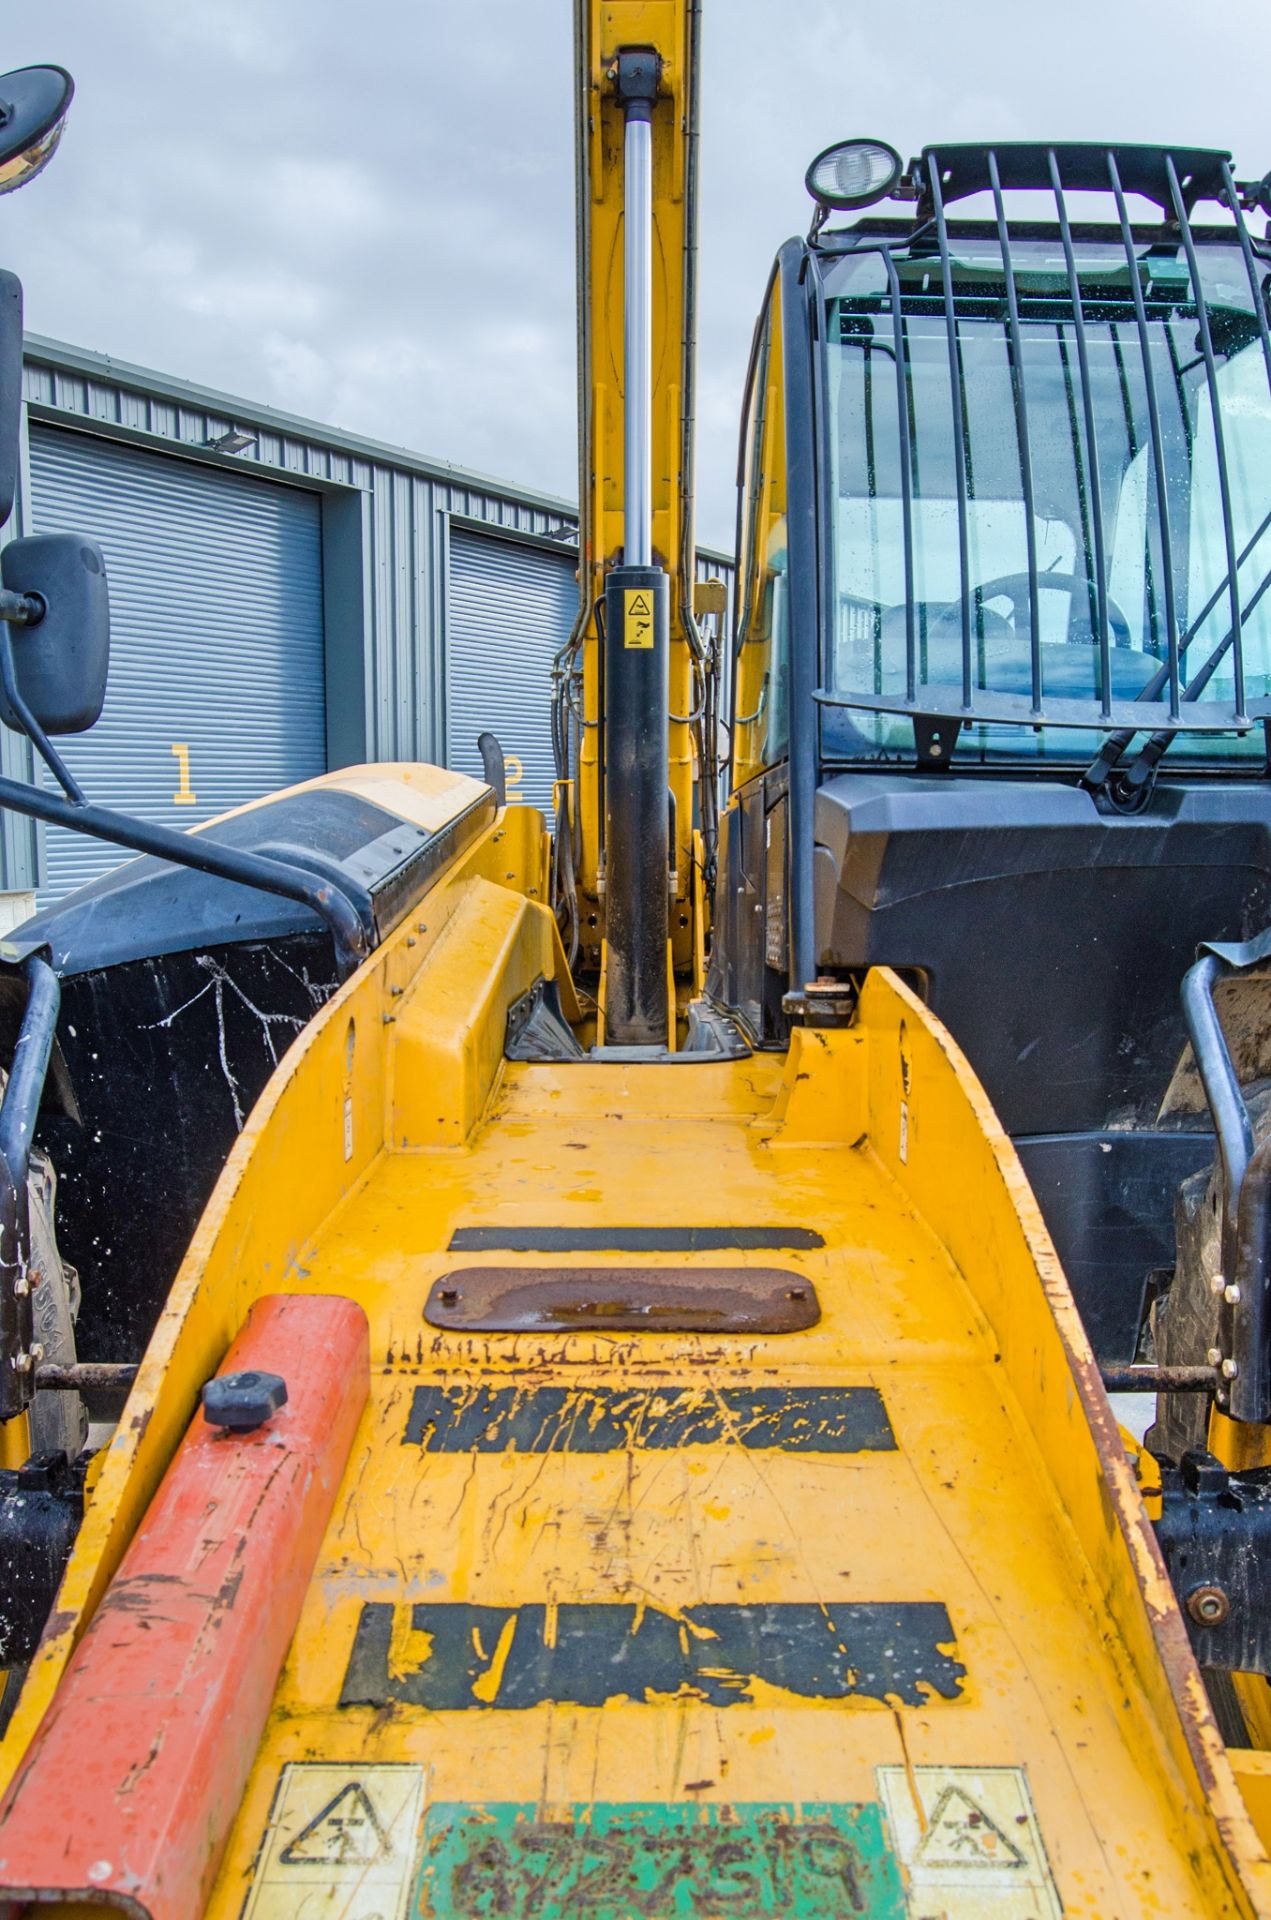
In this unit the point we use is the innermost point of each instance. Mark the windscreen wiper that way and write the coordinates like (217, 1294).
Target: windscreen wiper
(1134, 785)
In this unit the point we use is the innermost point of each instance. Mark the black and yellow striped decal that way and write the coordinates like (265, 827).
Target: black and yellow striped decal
(498, 1419)
(447, 1656)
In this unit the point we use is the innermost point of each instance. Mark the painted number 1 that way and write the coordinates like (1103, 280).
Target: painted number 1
(185, 795)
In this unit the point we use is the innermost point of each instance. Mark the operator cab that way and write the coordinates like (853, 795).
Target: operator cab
(1002, 662)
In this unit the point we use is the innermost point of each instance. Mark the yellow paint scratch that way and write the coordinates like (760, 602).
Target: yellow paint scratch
(486, 1688)
(408, 1646)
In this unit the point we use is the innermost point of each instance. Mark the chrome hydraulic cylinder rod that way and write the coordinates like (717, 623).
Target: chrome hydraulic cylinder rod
(638, 337)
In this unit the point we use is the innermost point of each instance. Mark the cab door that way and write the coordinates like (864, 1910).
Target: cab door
(749, 968)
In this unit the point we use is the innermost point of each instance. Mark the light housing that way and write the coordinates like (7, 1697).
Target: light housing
(233, 440)
(33, 107)
(853, 173)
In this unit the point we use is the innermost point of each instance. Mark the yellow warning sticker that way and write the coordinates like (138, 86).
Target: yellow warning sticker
(970, 1843)
(342, 1844)
(637, 618)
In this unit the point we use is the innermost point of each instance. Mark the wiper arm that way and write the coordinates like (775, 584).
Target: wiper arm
(1136, 783)
(1106, 761)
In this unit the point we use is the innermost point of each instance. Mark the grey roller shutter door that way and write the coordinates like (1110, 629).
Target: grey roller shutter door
(216, 636)
(510, 607)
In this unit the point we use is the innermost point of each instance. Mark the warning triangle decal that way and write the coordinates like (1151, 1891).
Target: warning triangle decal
(345, 1833)
(960, 1834)
(638, 606)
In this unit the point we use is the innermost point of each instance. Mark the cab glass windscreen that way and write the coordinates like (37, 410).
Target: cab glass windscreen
(978, 425)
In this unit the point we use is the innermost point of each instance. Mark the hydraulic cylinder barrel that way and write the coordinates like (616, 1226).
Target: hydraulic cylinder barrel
(637, 807)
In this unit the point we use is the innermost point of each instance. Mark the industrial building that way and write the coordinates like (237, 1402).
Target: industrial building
(286, 598)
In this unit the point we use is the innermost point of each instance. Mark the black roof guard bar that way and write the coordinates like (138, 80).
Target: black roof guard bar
(1023, 166)
(1174, 179)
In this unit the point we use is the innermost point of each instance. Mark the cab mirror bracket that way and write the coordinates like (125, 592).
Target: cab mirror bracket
(10, 388)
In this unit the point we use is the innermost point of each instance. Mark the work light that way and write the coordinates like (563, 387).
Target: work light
(33, 104)
(853, 173)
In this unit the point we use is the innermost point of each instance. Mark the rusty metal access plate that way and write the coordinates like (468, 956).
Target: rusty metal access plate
(622, 1300)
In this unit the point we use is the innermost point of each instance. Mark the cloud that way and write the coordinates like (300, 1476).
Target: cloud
(326, 198)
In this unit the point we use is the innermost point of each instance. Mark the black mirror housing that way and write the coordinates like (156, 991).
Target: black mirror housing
(61, 660)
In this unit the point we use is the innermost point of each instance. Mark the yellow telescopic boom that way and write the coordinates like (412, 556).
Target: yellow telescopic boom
(636, 152)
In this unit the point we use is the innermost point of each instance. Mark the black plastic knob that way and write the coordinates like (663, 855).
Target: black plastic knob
(241, 1402)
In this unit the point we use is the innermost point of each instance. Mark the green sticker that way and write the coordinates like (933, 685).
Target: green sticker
(505, 1861)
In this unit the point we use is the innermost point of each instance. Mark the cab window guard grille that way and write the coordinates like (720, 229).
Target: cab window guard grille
(1172, 698)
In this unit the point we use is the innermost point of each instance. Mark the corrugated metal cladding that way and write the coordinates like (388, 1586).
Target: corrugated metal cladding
(217, 690)
(509, 609)
(385, 512)
(385, 530)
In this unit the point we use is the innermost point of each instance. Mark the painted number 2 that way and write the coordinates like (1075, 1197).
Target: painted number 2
(185, 795)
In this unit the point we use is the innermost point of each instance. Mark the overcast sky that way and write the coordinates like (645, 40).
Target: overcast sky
(364, 213)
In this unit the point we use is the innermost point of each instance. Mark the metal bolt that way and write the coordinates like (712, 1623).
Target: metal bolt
(397, 992)
(1216, 1283)
(1208, 1606)
(449, 1296)
(411, 940)
(1231, 1295)
(22, 1286)
(1214, 1356)
(1221, 1397)
(389, 1019)
(1229, 1369)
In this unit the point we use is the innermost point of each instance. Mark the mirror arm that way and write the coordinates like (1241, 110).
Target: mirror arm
(31, 613)
(346, 913)
(22, 609)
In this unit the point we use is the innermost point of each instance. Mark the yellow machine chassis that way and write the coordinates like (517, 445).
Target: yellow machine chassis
(1008, 1496)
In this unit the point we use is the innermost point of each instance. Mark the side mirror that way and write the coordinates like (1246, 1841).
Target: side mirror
(60, 643)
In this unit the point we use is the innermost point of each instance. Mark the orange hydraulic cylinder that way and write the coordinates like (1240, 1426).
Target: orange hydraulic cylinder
(128, 1792)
